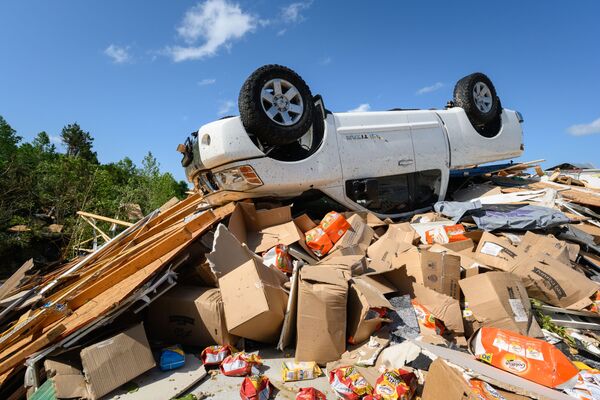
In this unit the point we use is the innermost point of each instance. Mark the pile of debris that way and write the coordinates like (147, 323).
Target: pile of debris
(494, 295)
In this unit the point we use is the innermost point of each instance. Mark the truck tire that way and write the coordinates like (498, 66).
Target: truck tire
(476, 94)
(276, 105)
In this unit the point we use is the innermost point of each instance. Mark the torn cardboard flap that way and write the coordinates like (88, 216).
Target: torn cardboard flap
(356, 263)
(358, 235)
(545, 245)
(441, 306)
(362, 298)
(67, 376)
(497, 252)
(500, 300)
(467, 262)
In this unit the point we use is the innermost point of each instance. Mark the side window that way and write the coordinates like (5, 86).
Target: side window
(396, 194)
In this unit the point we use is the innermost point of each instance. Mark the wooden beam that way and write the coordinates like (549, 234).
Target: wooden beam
(103, 218)
(93, 225)
(12, 282)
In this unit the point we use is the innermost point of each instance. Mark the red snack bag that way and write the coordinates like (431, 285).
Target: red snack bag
(240, 364)
(278, 257)
(334, 225)
(310, 393)
(256, 387)
(214, 355)
(529, 358)
(318, 241)
(446, 234)
(349, 384)
(426, 319)
(396, 384)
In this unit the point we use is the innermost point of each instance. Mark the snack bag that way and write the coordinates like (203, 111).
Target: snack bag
(396, 384)
(171, 358)
(588, 385)
(214, 355)
(426, 319)
(334, 225)
(310, 393)
(483, 391)
(529, 358)
(446, 234)
(278, 257)
(255, 387)
(241, 364)
(298, 371)
(318, 241)
(349, 384)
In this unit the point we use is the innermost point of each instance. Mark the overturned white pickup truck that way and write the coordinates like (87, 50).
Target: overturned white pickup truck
(286, 143)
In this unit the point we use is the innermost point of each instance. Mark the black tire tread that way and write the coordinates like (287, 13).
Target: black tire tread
(463, 97)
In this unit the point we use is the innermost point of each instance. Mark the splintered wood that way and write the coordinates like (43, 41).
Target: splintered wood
(88, 288)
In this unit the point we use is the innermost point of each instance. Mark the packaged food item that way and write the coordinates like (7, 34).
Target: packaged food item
(335, 225)
(279, 257)
(483, 391)
(396, 384)
(587, 386)
(446, 234)
(241, 364)
(214, 355)
(300, 371)
(255, 387)
(310, 393)
(318, 241)
(171, 358)
(529, 358)
(426, 319)
(349, 384)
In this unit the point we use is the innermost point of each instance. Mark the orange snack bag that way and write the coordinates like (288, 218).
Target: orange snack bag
(335, 225)
(318, 241)
(446, 234)
(529, 358)
(426, 319)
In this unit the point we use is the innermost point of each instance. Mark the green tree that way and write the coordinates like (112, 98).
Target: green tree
(8, 141)
(78, 143)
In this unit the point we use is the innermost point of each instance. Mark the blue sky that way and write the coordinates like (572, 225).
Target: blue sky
(141, 75)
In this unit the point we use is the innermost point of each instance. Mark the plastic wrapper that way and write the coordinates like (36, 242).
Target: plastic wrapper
(483, 391)
(279, 257)
(299, 371)
(335, 225)
(255, 387)
(426, 319)
(241, 364)
(349, 384)
(446, 234)
(396, 384)
(587, 386)
(214, 355)
(529, 358)
(171, 358)
(318, 241)
(310, 393)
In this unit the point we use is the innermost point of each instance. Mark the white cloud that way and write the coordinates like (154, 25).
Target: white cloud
(361, 108)
(226, 107)
(217, 23)
(55, 139)
(207, 81)
(281, 32)
(293, 12)
(432, 88)
(325, 60)
(585, 129)
(119, 54)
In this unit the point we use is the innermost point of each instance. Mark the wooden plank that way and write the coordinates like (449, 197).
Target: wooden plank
(20, 356)
(106, 219)
(11, 283)
(93, 225)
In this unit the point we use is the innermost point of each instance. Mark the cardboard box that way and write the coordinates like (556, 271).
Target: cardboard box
(356, 264)
(362, 297)
(359, 235)
(189, 315)
(254, 301)
(321, 322)
(500, 300)
(67, 376)
(110, 363)
(546, 245)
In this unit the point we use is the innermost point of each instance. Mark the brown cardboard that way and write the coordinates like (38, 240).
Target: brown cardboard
(359, 234)
(497, 252)
(362, 297)
(356, 263)
(189, 315)
(390, 246)
(261, 230)
(441, 272)
(67, 376)
(500, 300)
(467, 261)
(380, 282)
(321, 323)
(462, 246)
(254, 301)
(441, 306)
(546, 245)
(110, 363)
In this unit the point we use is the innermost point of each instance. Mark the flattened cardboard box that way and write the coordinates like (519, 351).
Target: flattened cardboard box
(321, 321)
(500, 300)
(110, 363)
(189, 315)
(254, 301)
(66, 376)
(362, 297)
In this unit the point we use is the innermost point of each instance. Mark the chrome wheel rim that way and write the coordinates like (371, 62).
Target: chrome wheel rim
(482, 95)
(282, 102)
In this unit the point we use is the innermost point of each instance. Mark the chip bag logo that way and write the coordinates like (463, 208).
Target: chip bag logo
(513, 363)
(487, 357)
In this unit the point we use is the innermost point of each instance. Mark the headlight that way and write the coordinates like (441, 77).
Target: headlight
(238, 178)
